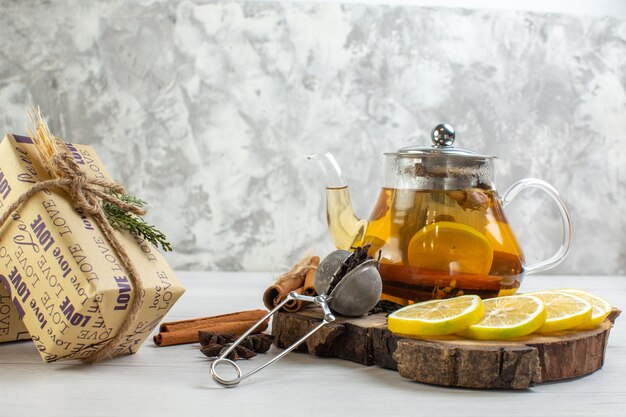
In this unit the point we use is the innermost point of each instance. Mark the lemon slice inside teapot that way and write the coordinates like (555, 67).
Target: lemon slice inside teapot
(451, 247)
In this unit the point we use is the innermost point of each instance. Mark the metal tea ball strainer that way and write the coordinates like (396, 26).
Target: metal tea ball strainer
(353, 295)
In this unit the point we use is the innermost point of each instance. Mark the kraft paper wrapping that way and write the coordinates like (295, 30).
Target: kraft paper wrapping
(11, 327)
(64, 279)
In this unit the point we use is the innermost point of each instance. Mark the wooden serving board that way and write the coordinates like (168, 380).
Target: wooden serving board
(450, 360)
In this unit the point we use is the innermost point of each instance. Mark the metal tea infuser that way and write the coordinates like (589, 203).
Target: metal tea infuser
(354, 295)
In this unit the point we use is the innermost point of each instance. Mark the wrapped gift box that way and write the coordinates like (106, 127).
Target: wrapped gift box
(65, 281)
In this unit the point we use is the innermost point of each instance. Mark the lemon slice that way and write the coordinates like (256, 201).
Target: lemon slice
(437, 317)
(508, 317)
(451, 247)
(600, 308)
(564, 311)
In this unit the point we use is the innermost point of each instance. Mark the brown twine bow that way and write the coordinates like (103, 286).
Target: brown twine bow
(86, 194)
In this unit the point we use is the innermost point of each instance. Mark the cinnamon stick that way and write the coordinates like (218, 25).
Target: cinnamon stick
(207, 321)
(190, 335)
(295, 305)
(309, 283)
(289, 281)
(275, 294)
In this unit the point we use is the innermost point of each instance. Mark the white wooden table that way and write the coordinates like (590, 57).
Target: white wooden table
(174, 381)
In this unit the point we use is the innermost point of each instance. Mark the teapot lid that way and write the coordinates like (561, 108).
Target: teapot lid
(442, 136)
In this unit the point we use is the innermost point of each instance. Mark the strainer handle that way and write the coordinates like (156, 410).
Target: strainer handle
(320, 300)
(566, 220)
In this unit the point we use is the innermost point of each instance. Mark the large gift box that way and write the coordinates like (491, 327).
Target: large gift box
(65, 280)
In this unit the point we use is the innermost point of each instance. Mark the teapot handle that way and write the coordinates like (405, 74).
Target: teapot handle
(566, 242)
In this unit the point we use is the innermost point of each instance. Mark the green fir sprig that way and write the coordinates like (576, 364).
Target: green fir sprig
(120, 219)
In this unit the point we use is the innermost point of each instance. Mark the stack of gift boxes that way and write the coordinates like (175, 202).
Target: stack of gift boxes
(61, 283)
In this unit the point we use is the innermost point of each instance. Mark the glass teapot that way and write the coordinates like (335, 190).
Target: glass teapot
(438, 225)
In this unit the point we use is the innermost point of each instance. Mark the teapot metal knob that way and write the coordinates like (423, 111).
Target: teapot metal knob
(442, 135)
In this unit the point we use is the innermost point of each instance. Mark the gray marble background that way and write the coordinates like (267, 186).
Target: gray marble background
(208, 109)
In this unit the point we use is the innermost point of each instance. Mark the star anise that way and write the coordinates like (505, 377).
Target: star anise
(214, 344)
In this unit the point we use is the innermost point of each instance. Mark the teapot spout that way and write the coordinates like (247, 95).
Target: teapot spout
(346, 229)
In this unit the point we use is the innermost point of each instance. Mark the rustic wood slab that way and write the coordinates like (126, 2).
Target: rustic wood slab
(449, 360)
